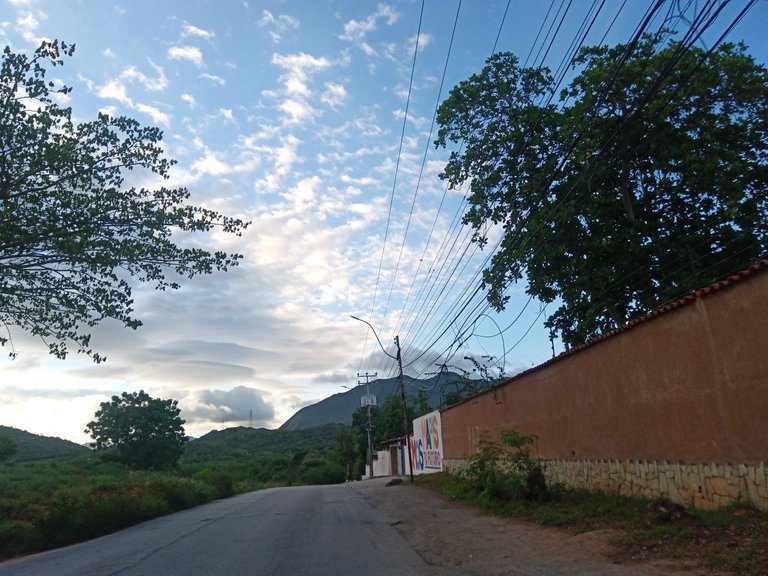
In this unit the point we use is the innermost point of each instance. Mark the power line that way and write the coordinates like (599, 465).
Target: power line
(397, 167)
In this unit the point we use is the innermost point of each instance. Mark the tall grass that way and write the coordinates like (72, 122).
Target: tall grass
(58, 502)
(53, 503)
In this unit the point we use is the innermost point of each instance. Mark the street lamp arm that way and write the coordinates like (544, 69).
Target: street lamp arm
(402, 390)
(374, 333)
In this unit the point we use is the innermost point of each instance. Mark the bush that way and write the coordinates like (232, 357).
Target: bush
(222, 482)
(77, 516)
(507, 470)
(180, 493)
(17, 538)
(320, 469)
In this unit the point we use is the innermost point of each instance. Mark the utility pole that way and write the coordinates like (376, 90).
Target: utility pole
(405, 407)
(402, 386)
(368, 400)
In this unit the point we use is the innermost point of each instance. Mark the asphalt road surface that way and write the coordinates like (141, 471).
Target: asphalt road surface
(312, 530)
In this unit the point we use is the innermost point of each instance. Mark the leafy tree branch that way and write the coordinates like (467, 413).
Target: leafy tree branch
(72, 232)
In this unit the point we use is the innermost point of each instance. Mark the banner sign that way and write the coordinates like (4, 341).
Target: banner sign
(427, 447)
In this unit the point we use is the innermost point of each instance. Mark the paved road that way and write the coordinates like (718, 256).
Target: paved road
(308, 530)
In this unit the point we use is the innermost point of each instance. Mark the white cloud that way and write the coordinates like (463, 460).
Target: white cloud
(109, 110)
(367, 49)
(156, 84)
(189, 53)
(298, 69)
(190, 30)
(157, 115)
(335, 95)
(296, 92)
(190, 100)
(296, 111)
(27, 24)
(237, 406)
(213, 78)
(356, 30)
(277, 25)
(115, 90)
(424, 41)
(212, 164)
(283, 156)
(227, 114)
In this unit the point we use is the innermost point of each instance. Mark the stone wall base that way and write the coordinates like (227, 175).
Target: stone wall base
(703, 486)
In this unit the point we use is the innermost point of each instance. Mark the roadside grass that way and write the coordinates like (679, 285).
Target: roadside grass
(52, 503)
(63, 501)
(731, 540)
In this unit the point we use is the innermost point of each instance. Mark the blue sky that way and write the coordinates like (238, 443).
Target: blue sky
(292, 114)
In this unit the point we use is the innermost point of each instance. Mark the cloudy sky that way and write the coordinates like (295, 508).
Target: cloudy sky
(312, 119)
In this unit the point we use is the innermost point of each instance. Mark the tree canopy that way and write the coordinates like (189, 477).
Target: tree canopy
(645, 181)
(73, 232)
(146, 432)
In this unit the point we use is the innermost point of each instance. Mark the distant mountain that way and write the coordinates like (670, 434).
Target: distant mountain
(246, 442)
(35, 447)
(339, 408)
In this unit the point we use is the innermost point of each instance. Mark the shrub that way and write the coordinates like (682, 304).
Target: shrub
(507, 469)
(222, 482)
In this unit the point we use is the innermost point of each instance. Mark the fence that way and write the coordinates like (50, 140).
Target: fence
(672, 405)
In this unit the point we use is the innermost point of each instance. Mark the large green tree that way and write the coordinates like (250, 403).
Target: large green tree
(145, 432)
(645, 181)
(73, 232)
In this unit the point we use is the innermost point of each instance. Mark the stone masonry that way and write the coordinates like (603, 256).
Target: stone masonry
(702, 486)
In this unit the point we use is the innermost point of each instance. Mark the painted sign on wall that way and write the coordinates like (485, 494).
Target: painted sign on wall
(427, 447)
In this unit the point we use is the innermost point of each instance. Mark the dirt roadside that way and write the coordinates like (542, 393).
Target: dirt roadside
(456, 539)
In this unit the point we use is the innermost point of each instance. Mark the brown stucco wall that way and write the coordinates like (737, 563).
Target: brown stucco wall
(689, 385)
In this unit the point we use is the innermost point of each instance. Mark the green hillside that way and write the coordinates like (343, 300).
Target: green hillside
(35, 447)
(340, 407)
(248, 442)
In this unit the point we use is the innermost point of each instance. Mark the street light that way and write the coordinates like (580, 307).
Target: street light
(374, 333)
(402, 388)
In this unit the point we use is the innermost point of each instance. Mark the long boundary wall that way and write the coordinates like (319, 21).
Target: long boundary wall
(674, 405)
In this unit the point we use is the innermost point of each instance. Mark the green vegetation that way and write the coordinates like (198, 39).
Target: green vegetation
(71, 231)
(733, 539)
(645, 181)
(36, 447)
(505, 479)
(347, 440)
(8, 448)
(507, 470)
(144, 432)
(241, 442)
(59, 501)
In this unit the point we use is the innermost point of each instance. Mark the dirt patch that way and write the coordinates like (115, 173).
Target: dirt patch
(454, 538)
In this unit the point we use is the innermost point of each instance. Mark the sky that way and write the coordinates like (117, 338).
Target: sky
(313, 120)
